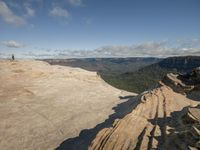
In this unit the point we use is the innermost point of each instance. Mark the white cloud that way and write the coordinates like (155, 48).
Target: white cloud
(30, 12)
(12, 44)
(9, 17)
(76, 2)
(59, 12)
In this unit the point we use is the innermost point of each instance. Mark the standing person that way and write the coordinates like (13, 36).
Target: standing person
(13, 57)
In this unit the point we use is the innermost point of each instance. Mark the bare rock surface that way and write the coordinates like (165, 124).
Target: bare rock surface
(43, 105)
(164, 118)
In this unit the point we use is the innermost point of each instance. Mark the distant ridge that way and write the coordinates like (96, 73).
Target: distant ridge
(148, 76)
(106, 65)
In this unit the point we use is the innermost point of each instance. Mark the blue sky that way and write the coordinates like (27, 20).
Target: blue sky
(63, 26)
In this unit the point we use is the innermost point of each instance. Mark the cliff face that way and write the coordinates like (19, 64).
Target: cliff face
(42, 105)
(160, 120)
(181, 64)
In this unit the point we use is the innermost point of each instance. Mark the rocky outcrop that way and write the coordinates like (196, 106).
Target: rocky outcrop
(184, 83)
(176, 84)
(158, 120)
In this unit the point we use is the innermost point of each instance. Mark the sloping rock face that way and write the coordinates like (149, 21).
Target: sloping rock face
(43, 105)
(158, 119)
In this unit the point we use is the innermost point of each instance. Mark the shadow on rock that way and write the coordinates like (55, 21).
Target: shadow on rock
(194, 95)
(177, 134)
(126, 97)
(86, 136)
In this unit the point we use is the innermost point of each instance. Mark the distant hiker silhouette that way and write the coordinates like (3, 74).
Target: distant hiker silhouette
(13, 57)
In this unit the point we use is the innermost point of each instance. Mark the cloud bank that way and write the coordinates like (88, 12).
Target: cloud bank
(12, 44)
(145, 49)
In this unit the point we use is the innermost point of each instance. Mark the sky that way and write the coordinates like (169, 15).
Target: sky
(99, 28)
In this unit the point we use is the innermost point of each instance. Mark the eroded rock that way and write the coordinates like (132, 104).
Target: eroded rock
(184, 83)
(159, 120)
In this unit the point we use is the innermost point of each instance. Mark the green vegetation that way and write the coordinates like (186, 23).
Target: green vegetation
(148, 76)
(138, 81)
